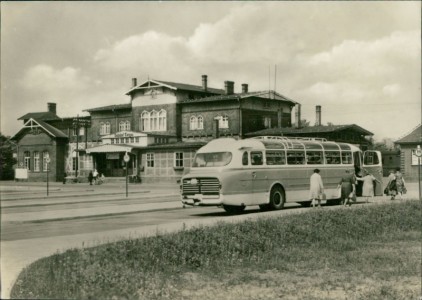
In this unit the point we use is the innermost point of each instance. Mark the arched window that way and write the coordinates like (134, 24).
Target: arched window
(162, 120)
(223, 121)
(127, 125)
(200, 122)
(145, 119)
(36, 161)
(27, 160)
(122, 126)
(45, 158)
(154, 121)
(193, 123)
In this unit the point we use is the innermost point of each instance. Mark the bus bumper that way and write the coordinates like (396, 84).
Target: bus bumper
(201, 200)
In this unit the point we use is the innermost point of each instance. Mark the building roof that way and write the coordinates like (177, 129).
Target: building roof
(176, 86)
(308, 130)
(415, 136)
(110, 107)
(272, 95)
(43, 116)
(34, 123)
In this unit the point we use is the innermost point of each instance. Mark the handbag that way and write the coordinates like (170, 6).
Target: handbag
(352, 196)
(322, 196)
(386, 191)
(404, 190)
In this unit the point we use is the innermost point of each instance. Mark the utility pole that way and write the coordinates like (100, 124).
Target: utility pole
(77, 124)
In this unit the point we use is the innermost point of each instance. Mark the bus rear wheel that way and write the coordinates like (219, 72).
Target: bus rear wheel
(233, 209)
(277, 198)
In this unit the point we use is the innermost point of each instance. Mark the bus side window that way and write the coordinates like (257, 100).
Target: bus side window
(245, 160)
(256, 158)
(295, 157)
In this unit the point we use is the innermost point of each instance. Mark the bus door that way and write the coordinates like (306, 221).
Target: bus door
(372, 163)
(259, 177)
(357, 161)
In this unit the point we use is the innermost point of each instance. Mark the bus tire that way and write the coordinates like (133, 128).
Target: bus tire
(277, 198)
(233, 209)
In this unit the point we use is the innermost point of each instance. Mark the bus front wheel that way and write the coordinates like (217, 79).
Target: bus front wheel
(233, 209)
(277, 198)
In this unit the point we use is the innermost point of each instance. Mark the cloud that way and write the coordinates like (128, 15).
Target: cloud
(46, 79)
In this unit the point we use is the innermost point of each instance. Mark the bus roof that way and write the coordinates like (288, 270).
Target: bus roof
(264, 142)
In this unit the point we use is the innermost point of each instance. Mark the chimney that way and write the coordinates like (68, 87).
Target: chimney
(229, 87)
(297, 116)
(318, 115)
(244, 87)
(204, 82)
(134, 82)
(52, 107)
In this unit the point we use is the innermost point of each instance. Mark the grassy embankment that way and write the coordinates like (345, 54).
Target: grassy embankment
(367, 252)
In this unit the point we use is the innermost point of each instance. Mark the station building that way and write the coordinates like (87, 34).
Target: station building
(160, 129)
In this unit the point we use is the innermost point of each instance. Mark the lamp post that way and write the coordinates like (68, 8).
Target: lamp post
(126, 158)
(47, 160)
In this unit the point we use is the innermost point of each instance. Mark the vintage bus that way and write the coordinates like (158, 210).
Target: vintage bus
(270, 171)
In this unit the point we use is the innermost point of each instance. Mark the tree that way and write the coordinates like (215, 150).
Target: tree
(304, 123)
(6, 159)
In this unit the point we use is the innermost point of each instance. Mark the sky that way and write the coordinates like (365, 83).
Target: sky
(361, 61)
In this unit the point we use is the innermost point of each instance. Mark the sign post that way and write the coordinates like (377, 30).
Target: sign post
(48, 167)
(418, 153)
(126, 158)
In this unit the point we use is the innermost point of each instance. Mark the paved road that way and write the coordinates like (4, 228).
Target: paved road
(35, 226)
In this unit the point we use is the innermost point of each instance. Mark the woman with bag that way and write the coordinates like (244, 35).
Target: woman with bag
(400, 184)
(368, 185)
(316, 188)
(391, 185)
(348, 188)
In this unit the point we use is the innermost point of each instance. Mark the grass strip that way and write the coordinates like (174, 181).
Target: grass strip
(368, 252)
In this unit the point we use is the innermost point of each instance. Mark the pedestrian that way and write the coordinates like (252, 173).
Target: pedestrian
(348, 188)
(391, 185)
(400, 184)
(64, 177)
(316, 188)
(95, 174)
(368, 184)
(90, 177)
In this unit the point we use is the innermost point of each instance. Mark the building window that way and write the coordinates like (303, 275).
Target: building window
(200, 122)
(145, 120)
(162, 120)
(154, 121)
(178, 159)
(196, 123)
(267, 122)
(193, 122)
(124, 126)
(45, 159)
(223, 121)
(36, 161)
(27, 160)
(104, 128)
(150, 160)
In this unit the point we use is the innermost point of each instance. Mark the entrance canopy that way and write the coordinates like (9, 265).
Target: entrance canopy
(109, 149)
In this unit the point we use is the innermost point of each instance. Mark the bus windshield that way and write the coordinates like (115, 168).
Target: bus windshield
(213, 159)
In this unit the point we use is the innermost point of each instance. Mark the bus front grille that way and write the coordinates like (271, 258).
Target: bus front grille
(204, 186)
